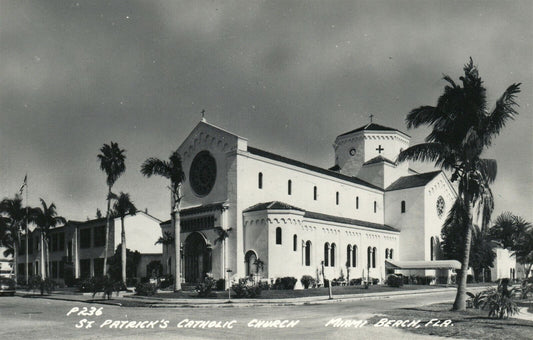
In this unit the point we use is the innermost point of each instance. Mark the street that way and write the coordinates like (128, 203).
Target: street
(25, 318)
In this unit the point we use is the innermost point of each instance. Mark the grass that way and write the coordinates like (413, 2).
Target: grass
(287, 294)
(470, 324)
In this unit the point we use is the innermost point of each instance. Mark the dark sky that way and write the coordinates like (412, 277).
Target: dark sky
(288, 75)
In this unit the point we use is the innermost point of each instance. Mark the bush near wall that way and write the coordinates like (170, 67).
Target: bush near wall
(395, 280)
(287, 282)
(246, 289)
(307, 281)
(204, 289)
(145, 289)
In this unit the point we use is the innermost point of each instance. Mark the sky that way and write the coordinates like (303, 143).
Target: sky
(288, 75)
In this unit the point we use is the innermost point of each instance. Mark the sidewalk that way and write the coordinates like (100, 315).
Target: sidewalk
(131, 300)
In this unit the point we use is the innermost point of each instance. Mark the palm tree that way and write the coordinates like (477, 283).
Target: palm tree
(171, 169)
(515, 234)
(462, 129)
(13, 221)
(166, 240)
(112, 163)
(46, 218)
(123, 206)
(223, 234)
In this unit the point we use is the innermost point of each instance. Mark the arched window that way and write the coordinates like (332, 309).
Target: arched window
(357, 202)
(354, 256)
(326, 254)
(289, 187)
(314, 193)
(294, 242)
(260, 180)
(374, 257)
(375, 206)
(349, 256)
(369, 257)
(403, 207)
(308, 253)
(251, 266)
(390, 254)
(332, 252)
(431, 240)
(337, 198)
(278, 235)
(387, 253)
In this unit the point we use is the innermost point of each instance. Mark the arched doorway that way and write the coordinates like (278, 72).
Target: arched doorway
(251, 267)
(197, 258)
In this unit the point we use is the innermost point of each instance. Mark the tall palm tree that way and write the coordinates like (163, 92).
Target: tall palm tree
(172, 170)
(223, 234)
(112, 162)
(46, 218)
(166, 240)
(462, 129)
(13, 220)
(123, 206)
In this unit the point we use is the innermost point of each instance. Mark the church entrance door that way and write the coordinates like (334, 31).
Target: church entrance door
(197, 258)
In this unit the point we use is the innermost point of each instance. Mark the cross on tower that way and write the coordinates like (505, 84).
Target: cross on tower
(371, 116)
(203, 115)
(379, 149)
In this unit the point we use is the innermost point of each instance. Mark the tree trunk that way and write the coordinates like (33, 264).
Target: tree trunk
(47, 258)
(15, 261)
(43, 273)
(175, 221)
(107, 227)
(123, 255)
(460, 298)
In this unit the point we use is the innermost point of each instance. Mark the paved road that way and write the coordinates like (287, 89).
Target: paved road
(36, 318)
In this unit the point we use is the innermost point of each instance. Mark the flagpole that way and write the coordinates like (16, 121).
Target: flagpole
(27, 234)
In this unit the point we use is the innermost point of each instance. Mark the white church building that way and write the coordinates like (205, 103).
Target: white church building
(362, 217)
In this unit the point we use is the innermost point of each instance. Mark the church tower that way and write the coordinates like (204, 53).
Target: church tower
(370, 153)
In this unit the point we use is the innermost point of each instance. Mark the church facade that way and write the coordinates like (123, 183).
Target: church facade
(365, 214)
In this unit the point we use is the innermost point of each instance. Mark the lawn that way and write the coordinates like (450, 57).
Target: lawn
(470, 324)
(285, 294)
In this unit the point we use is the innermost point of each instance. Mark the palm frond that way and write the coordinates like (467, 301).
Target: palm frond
(112, 161)
(154, 166)
(423, 115)
(503, 112)
(488, 168)
(429, 152)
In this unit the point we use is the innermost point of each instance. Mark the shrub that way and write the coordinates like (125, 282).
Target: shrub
(145, 289)
(205, 288)
(374, 281)
(500, 303)
(106, 285)
(326, 283)
(286, 282)
(477, 300)
(469, 279)
(220, 284)
(395, 281)
(307, 280)
(36, 282)
(246, 289)
(356, 282)
(166, 281)
(131, 281)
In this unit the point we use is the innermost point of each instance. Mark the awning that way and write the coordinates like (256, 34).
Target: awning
(439, 264)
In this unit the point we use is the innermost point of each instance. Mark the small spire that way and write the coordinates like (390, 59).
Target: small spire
(370, 116)
(203, 116)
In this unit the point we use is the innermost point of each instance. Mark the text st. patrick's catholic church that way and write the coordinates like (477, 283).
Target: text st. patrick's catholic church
(361, 218)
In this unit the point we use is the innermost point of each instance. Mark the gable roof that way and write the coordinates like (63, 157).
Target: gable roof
(372, 127)
(276, 205)
(413, 181)
(378, 159)
(303, 165)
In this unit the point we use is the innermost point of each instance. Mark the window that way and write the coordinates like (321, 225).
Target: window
(289, 187)
(294, 242)
(337, 198)
(61, 244)
(99, 236)
(85, 268)
(375, 206)
(314, 193)
(98, 267)
(30, 245)
(332, 256)
(390, 254)
(403, 207)
(260, 180)
(374, 257)
(85, 238)
(326, 254)
(308, 253)
(357, 202)
(354, 256)
(369, 257)
(69, 252)
(387, 253)
(348, 256)
(431, 241)
(278, 235)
